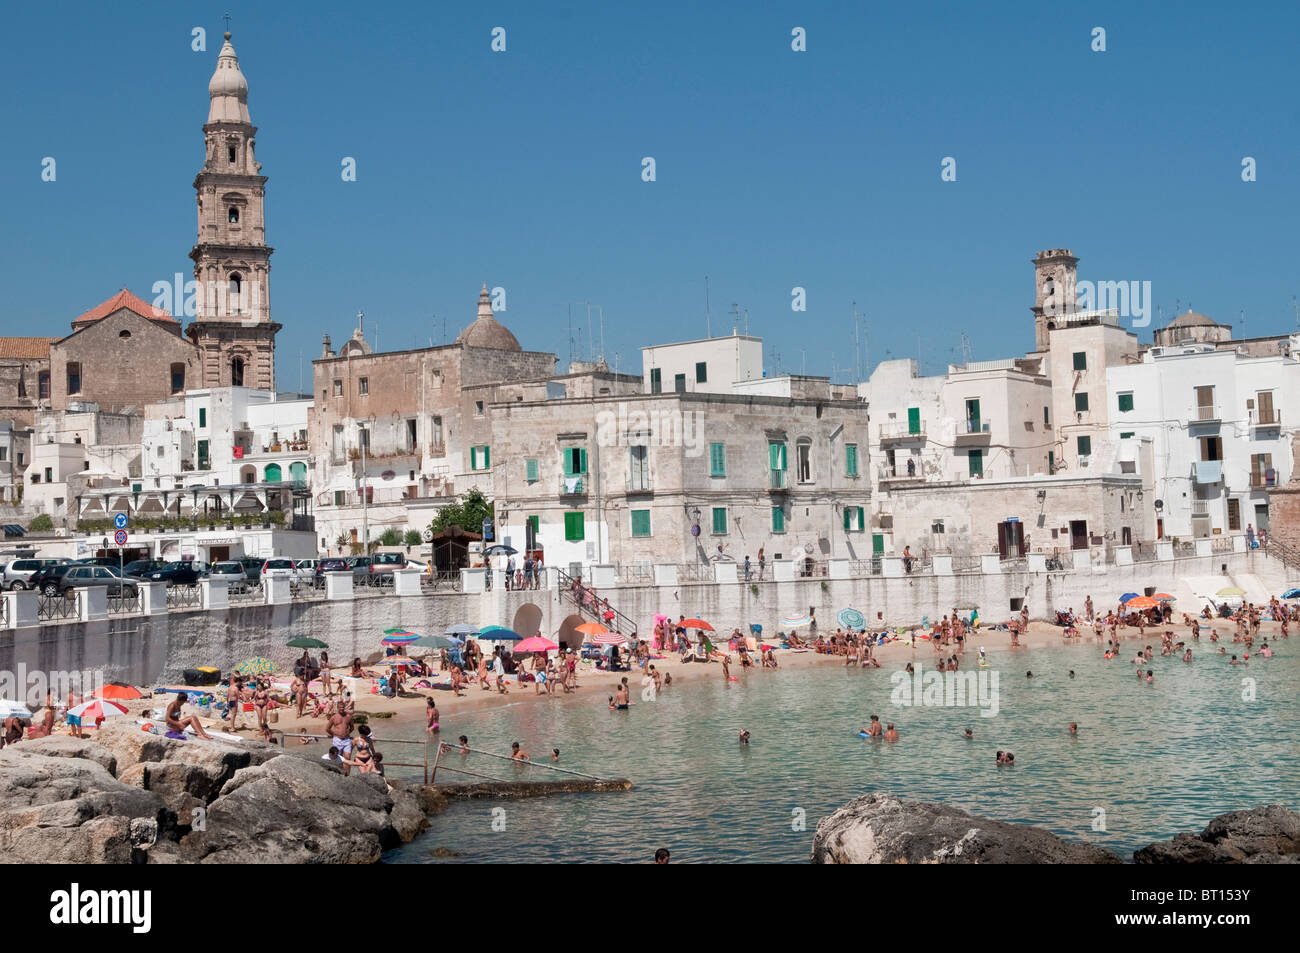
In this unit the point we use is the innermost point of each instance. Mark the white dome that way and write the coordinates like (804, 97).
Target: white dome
(228, 90)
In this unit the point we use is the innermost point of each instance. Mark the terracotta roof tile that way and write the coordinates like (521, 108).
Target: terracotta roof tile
(25, 347)
(124, 299)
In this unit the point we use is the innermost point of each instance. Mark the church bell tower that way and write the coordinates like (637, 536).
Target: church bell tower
(232, 326)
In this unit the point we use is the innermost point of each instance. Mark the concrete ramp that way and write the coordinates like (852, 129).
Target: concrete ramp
(1194, 591)
(1256, 591)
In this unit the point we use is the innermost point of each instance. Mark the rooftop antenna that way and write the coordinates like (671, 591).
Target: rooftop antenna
(227, 19)
(735, 317)
(571, 342)
(1243, 322)
(601, 309)
(803, 362)
(1295, 308)
(964, 349)
(708, 327)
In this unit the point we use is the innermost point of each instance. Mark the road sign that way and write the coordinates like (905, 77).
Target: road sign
(120, 537)
(119, 521)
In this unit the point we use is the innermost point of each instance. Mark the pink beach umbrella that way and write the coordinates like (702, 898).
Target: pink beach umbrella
(535, 644)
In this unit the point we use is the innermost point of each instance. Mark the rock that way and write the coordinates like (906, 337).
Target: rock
(880, 829)
(407, 816)
(294, 810)
(1261, 835)
(65, 746)
(129, 745)
(56, 809)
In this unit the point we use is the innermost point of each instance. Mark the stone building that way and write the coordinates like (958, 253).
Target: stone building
(24, 377)
(418, 417)
(232, 326)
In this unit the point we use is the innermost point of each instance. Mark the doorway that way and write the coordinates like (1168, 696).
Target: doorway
(1078, 534)
(1011, 539)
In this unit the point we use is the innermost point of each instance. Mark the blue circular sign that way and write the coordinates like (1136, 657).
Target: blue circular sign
(120, 521)
(120, 537)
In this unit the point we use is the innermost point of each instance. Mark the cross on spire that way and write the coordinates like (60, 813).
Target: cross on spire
(227, 19)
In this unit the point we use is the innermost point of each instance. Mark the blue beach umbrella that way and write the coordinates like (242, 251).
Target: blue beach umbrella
(852, 619)
(1291, 594)
(1127, 596)
(461, 629)
(499, 633)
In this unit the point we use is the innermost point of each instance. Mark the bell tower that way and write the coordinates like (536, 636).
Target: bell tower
(232, 325)
(1055, 271)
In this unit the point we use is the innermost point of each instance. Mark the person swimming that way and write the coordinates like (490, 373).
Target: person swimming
(1074, 728)
(744, 736)
(969, 734)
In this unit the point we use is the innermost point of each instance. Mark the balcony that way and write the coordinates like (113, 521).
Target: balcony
(639, 483)
(1200, 507)
(573, 485)
(898, 474)
(777, 481)
(974, 430)
(902, 430)
(1265, 419)
(1264, 478)
(1205, 414)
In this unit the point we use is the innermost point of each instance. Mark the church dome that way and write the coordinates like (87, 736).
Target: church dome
(1192, 319)
(228, 90)
(487, 331)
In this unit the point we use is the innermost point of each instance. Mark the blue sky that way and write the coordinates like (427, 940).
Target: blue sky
(775, 169)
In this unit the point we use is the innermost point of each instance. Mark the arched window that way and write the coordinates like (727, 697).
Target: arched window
(234, 215)
(237, 372)
(273, 473)
(178, 378)
(298, 473)
(236, 285)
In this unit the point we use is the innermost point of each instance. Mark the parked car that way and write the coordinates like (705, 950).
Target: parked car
(84, 577)
(232, 572)
(113, 561)
(304, 570)
(139, 567)
(252, 568)
(329, 565)
(376, 570)
(278, 566)
(18, 573)
(46, 579)
(176, 574)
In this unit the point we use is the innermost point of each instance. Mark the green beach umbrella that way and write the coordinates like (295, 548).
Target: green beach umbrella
(852, 619)
(305, 642)
(255, 666)
(499, 633)
(434, 641)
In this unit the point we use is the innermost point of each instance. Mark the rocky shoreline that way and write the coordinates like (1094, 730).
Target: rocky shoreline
(881, 829)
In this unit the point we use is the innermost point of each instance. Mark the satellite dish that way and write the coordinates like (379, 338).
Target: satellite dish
(1160, 505)
(427, 535)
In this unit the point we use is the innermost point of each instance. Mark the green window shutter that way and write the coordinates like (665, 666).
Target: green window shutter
(976, 459)
(574, 530)
(914, 420)
(1080, 360)
(203, 416)
(847, 518)
(720, 520)
(862, 519)
(487, 458)
(473, 458)
(774, 456)
(582, 460)
(1125, 401)
(851, 459)
(717, 459)
(567, 457)
(535, 522)
(1081, 401)
(530, 471)
(778, 519)
(1084, 446)
(640, 522)
(1126, 436)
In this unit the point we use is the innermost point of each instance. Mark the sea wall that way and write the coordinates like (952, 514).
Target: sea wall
(152, 649)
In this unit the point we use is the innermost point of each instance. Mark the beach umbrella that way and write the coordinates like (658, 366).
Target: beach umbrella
(1127, 596)
(590, 628)
(852, 619)
(402, 639)
(609, 638)
(1141, 602)
(117, 690)
(10, 709)
(255, 666)
(306, 642)
(434, 641)
(1165, 597)
(462, 629)
(91, 711)
(499, 633)
(796, 619)
(398, 660)
(500, 549)
(696, 624)
(397, 631)
(535, 644)
(966, 606)
(1291, 594)
(1231, 591)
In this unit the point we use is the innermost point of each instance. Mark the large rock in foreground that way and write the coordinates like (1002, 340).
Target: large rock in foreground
(880, 829)
(1261, 835)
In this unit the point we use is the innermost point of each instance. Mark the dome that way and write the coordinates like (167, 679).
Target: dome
(1192, 319)
(228, 90)
(487, 331)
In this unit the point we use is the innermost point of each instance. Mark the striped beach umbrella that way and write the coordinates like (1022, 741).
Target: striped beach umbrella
(402, 639)
(852, 619)
(99, 708)
(398, 660)
(609, 638)
(796, 619)
(255, 666)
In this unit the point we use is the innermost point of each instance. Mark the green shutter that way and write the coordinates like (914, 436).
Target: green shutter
(574, 530)
(487, 458)
(847, 520)
(914, 420)
(1125, 402)
(203, 416)
(719, 520)
(778, 519)
(1084, 446)
(1126, 436)
(717, 459)
(530, 471)
(851, 459)
(776, 455)
(536, 523)
(640, 522)
(976, 459)
(582, 460)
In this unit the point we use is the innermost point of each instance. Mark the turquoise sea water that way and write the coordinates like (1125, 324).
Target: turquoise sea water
(1158, 759)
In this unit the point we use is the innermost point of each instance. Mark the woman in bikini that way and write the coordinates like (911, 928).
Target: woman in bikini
(325, 682)
(260, 699)
(431, 717)
(364, 752)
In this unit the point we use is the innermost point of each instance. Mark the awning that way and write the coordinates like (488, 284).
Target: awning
(1209, 471)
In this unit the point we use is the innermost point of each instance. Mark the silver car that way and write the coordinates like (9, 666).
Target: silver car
(232, 573)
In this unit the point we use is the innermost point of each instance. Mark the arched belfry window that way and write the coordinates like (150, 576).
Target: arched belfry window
(234, 215)
(236, 285)
(237, 372)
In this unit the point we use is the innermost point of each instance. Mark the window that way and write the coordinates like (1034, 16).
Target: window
(203, 455)
(638, 467)
(4, 454)
(237, 372)
(435, 433)
(233, 217)
(778, 519)
(640, 523)
(719, 521)
(776, 463)
(230, 153)
(49, 474)
(43, 385)
(338, 388)
(203, 417)
(851, 459)
(853, 519)
(178, 378)
(236, 286)
(803, 456)
(22, 384)
(1211, 448)
(1261, 470)
(1125, 402)
(363, 386)
(1127, 435)
(679, 383)
(1083, 446)
(574, 530)
(36, 478)
(1080, 360)
(479, 458)
(410, 433)
(340, 497)
(701, 372)
(937, 528)
(1047, 417)
(363, 438)
(478, 408)
(656, 381)
(575, 461)
(1234, 513)
(1081, 401)
(162, 451)
(530, 470)
(74, 377)
(975, 461)
(1051, 461)
(717, 459)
